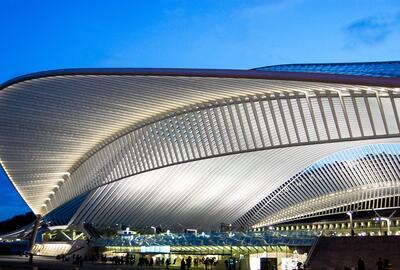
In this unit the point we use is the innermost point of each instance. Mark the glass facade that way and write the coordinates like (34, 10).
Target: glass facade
(374, 69)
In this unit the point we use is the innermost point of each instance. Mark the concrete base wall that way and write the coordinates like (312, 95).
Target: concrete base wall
(333, 253)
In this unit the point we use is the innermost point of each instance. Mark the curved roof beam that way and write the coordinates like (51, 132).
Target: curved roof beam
(332, 185)
(246, 125)
(362, 198)
(55, 122)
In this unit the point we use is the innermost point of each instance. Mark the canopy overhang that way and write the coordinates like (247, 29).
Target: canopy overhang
(67, 132)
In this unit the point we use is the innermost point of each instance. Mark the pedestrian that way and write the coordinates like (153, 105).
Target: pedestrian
(379, 264)
(360, 264)
(183, 264)
(30, 257)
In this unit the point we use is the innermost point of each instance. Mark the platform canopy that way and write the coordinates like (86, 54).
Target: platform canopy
(191, 147)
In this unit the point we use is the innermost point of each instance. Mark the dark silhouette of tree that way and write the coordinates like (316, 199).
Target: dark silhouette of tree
(16, 222)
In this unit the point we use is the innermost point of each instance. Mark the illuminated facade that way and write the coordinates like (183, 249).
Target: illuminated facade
(186, 148)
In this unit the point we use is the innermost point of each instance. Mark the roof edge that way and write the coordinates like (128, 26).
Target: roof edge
(214, 73)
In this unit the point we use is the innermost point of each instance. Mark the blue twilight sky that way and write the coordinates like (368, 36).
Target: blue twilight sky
(41, 35)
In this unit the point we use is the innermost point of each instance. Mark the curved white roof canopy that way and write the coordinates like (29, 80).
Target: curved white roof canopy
(356, 179)
(208, 192)
(62, 133)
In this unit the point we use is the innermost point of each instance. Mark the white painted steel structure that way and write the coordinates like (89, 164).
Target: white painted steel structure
(65, 133)
(358, 179)
(204, 193)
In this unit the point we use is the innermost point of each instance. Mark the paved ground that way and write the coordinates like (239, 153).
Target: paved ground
(49, 263)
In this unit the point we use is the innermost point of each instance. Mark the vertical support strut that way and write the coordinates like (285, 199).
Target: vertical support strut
(32, 240)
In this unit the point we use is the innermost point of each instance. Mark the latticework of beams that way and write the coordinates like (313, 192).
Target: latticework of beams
(364, 198)
(335, 180)
(249, 124)
(64, 135)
